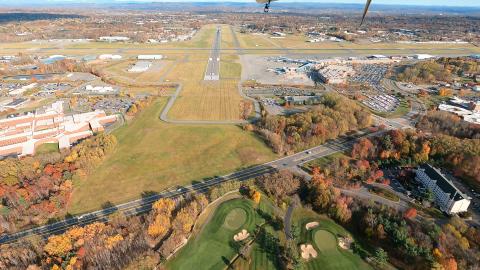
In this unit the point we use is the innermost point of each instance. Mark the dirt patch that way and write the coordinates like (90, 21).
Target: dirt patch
(308, 251)
(241, 235)
(311, 225)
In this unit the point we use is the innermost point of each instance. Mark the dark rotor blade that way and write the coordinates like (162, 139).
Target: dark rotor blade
(367, 5)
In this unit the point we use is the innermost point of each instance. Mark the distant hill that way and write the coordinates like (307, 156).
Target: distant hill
(16, 16)
(306, 7)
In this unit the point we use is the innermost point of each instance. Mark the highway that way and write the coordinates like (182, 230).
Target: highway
(144, 205)
(212, 72)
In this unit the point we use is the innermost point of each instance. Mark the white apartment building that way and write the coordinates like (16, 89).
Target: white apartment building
(447, 196)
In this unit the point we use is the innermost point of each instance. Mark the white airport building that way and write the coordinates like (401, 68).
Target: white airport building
(109, 57)
(150, 57)
(423, 56)
(113, 38)
(468, 110)
(100, 89)
(447, 196)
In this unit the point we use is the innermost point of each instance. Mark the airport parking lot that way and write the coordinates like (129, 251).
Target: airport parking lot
(382, 103)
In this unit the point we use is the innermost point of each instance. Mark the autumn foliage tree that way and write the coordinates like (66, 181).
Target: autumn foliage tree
(279, 185)
(162, 220)
(410, 213)
(34, 189)
(255, 195)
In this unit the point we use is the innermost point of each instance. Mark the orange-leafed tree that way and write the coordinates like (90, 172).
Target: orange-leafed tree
(58, 245)
(255, 196)
(411, 213)
(450, 264)
(160, 226)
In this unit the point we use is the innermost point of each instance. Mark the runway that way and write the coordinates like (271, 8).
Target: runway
(212, 73)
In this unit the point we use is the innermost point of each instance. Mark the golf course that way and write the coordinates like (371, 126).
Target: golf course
(324, 239)
(214, 246)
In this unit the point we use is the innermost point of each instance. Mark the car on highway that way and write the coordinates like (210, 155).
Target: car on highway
(308, 152)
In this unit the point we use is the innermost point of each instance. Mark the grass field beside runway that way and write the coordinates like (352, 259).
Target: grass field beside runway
(206, 100)
(152, 155)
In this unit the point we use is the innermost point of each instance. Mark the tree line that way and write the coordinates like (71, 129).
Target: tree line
(439, 122)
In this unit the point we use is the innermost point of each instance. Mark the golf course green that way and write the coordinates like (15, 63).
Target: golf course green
(324, 241)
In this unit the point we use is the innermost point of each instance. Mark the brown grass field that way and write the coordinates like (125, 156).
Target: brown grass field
(203, 100)
(227, 37)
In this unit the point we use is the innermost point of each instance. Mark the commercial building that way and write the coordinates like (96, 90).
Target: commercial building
(468, 110)
(335, 74)
(21, 135)
(447, 196)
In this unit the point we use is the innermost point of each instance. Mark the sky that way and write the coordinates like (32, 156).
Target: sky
(458, 3)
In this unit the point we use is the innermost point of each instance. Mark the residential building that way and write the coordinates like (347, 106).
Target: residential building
(447, 196)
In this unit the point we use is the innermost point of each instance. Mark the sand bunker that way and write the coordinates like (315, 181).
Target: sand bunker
(345, 242)
(311, 225)
(241, 235)
(308, 251)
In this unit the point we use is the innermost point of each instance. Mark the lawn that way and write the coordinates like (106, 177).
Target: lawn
(211, 248)
(384, 194)
(47, 148)
(324, 161)
(324, 240)
(152, 155)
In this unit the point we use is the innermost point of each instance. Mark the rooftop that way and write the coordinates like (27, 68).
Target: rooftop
(446, 185)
